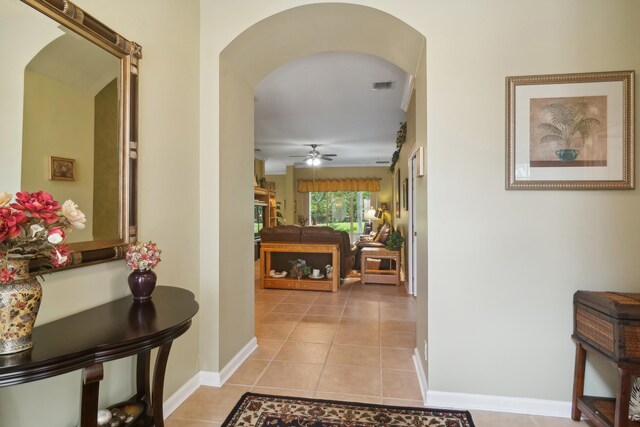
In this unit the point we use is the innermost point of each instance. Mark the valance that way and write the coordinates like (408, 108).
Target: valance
(346, 184)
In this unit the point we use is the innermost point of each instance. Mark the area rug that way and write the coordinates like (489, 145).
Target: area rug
(265, 410)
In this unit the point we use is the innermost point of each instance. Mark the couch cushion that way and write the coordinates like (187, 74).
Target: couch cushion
(383, 234)
(281, 233)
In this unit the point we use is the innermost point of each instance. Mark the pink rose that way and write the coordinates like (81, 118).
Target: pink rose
(10, 223)
(39, 204)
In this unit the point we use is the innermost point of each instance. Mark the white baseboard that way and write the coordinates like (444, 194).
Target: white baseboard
(422, 375)
(514, 405)
(237, 360)
(176, 399)
(208, 378)
(464, 401)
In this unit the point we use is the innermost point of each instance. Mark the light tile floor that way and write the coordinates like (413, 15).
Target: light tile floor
(355, 345)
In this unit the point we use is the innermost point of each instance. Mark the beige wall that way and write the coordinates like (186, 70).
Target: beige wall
(280, 183)
(401, 223)
(168, 183)
(14, 18)
(235, 324)
(258, 168)
(106, 182)
(508, 263)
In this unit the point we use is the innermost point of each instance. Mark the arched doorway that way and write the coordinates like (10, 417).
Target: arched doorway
(227, 299)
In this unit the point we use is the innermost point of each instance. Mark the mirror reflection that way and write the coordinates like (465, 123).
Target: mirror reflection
(59, 118)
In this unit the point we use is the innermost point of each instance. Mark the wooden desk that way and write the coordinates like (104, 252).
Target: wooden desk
(111, 331)
(375, 275)
(266, 281)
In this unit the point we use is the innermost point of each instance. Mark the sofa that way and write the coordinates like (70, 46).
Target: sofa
(309, 234)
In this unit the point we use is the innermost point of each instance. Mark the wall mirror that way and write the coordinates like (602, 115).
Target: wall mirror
(68, 118)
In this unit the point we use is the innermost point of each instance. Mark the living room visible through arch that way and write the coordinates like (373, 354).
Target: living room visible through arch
(248, 59)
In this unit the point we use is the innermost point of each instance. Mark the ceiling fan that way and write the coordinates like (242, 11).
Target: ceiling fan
(314, 157)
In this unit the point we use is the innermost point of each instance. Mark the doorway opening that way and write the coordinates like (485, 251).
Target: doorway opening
(245, 62)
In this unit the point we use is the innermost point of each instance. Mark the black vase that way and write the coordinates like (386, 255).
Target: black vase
(142, 283)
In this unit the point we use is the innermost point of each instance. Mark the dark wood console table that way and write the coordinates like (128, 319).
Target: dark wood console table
(111, 331)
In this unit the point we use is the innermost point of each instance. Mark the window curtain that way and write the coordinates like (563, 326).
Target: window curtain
(347, 184)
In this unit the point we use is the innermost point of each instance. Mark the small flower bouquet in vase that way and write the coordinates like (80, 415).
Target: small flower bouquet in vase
(329, 269)
(33, 227)
(299, 268)
(142, 258)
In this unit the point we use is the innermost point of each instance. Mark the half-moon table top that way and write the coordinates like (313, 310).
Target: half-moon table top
(110, 331)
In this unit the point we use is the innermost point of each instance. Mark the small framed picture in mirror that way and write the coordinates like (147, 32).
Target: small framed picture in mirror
(62, 169)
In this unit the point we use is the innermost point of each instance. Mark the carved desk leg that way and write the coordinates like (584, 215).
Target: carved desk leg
(91, 377)
(158, 384)
(578, 381)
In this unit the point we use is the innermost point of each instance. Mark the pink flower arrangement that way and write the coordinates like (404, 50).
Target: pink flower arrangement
(143, 256)
(35, 225)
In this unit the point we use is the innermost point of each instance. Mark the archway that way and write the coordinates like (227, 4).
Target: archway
(250, 57)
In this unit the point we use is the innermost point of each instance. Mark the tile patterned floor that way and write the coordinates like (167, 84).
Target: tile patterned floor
(355, 345)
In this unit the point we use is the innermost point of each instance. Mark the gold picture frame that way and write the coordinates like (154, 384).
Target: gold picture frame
(570, 131)
(62, 169)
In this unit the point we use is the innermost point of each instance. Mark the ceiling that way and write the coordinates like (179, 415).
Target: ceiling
(328, 99)
(74, 61)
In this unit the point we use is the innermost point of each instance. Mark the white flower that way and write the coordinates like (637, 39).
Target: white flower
(62, 259)
(55, 238)
(73, 214)
(35, 229)
(5, 198)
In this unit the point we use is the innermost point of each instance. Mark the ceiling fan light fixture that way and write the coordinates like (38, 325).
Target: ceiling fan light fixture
(309, 162)
(316, 162)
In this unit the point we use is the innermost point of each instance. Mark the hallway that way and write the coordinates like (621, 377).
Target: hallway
(356, 344)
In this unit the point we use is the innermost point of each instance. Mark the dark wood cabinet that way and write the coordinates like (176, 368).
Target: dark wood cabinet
(110, 331)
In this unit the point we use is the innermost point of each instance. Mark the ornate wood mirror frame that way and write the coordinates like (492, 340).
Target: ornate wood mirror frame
(129, 54)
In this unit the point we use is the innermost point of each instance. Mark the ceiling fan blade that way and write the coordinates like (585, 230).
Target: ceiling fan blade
(326, 158)
(297, 156)
(330, 155)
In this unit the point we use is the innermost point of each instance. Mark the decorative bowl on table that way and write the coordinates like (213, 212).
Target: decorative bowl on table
(278, 275)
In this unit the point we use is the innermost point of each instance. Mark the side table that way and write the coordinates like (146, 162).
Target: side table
(376, 275)
(108, 332)
(606, 325)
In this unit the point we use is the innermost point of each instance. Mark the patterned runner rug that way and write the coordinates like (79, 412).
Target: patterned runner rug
(278, 411)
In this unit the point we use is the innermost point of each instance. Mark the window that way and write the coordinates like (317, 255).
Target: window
(342, 210)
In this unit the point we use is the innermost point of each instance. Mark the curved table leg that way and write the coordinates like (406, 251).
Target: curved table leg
(158, 384)
(143, 390)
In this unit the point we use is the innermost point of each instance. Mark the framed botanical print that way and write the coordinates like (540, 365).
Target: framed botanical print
(570, 131)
